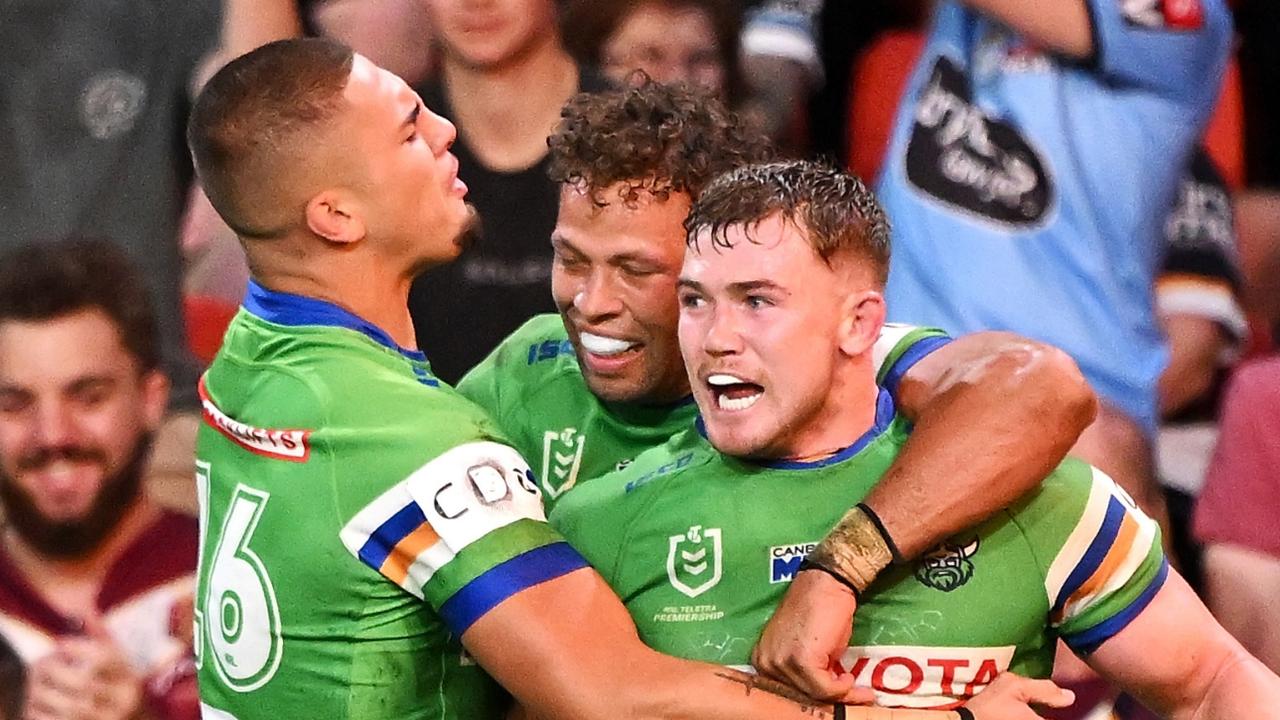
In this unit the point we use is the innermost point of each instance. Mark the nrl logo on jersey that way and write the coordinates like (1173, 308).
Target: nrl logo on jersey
(561, 458)
(694, 560)
(947, 566)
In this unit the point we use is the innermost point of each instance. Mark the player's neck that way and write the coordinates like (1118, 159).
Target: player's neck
(72, 585)
(848, 413)
(505, 112)
(380, 301)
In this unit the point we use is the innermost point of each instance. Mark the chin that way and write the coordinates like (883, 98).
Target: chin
(614, 390)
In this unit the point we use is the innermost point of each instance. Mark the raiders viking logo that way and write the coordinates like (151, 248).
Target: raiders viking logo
(948, 566)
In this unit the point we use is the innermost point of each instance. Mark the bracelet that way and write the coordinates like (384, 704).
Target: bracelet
(855, 550)
(809, 564)
(964, 713)
(884, 534)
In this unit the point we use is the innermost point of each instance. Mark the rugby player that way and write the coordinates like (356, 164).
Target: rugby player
(362, 523)
(584, 393)
(698, 536)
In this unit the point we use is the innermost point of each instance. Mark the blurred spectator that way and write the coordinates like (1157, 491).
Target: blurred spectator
(1197, 299)
(11, 682)
(92, 572)
(503, 78)
(1236, 517)
(691, 41)
(1028, 188)
(93, 102)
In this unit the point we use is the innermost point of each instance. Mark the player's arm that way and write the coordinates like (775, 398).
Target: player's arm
(568, 649)
(248, 24)
(1178, 660)
(994, 414)
(1060, 25)
(1174, 49)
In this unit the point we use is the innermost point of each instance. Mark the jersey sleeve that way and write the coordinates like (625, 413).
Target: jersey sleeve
(463, 532)
(1174, 49)
(900, 347)
(1101, 556)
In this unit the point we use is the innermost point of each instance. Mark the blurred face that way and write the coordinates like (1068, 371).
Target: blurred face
(671, 44)
(487, 34)
(74, 427)
(760, 330)
(407, 180)
(614, 281)
(394, 34)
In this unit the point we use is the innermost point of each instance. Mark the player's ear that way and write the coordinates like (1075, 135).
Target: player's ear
(861, 317)
(334, 216)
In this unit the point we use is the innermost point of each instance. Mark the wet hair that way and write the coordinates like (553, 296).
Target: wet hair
(836, 211)
(244, 129)
(650, 137)
(49, 280)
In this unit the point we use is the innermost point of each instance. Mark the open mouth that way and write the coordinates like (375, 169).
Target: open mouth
(732, 393)
(603, 346)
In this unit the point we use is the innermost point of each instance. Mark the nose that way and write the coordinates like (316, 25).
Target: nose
(439, 132)
(596, 299)
(722, 336)
(54, 425)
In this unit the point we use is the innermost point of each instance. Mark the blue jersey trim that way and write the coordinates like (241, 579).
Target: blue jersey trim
(884, 417)
(506, 579)
(375, 550)
(1087, 641)
(1096, 553)
(296, 310)
(914, 354)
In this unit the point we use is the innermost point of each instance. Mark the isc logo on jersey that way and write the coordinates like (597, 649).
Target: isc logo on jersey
(925, 677)
(784, 561)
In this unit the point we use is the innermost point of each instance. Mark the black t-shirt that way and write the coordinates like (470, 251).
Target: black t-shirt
(461, 311)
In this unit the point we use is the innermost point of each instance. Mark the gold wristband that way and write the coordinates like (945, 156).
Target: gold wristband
(855, 549)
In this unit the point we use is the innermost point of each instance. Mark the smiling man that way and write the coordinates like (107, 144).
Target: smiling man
(90, 568)
(794, 255)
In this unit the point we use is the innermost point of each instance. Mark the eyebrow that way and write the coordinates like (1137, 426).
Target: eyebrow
(749, 286)
(412, 117)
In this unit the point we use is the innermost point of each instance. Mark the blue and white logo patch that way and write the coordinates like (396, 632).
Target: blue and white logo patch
(784, 561)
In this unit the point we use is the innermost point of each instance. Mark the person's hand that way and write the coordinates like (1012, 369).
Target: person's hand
(84, 678)
(804, 640)
(1010, 697)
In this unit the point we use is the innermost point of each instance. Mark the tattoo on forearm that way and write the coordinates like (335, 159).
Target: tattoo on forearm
(751, 683)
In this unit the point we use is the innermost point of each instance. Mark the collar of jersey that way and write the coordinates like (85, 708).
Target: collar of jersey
(884, 418)
(296, 310)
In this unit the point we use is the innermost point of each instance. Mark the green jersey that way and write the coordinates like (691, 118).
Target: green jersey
(356, 516)
(532, 385)
(700, 546)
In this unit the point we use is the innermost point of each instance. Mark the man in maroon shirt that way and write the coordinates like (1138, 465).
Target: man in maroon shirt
(93, 575)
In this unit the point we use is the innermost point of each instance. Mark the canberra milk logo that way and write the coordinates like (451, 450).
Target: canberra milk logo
(784, 561)
(694, 560)
(561, 457)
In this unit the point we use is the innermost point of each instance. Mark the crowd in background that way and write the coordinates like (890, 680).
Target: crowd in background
(93, 101)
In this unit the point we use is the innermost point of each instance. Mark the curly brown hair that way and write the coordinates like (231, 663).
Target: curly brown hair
(834, 208)
(652, 137)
